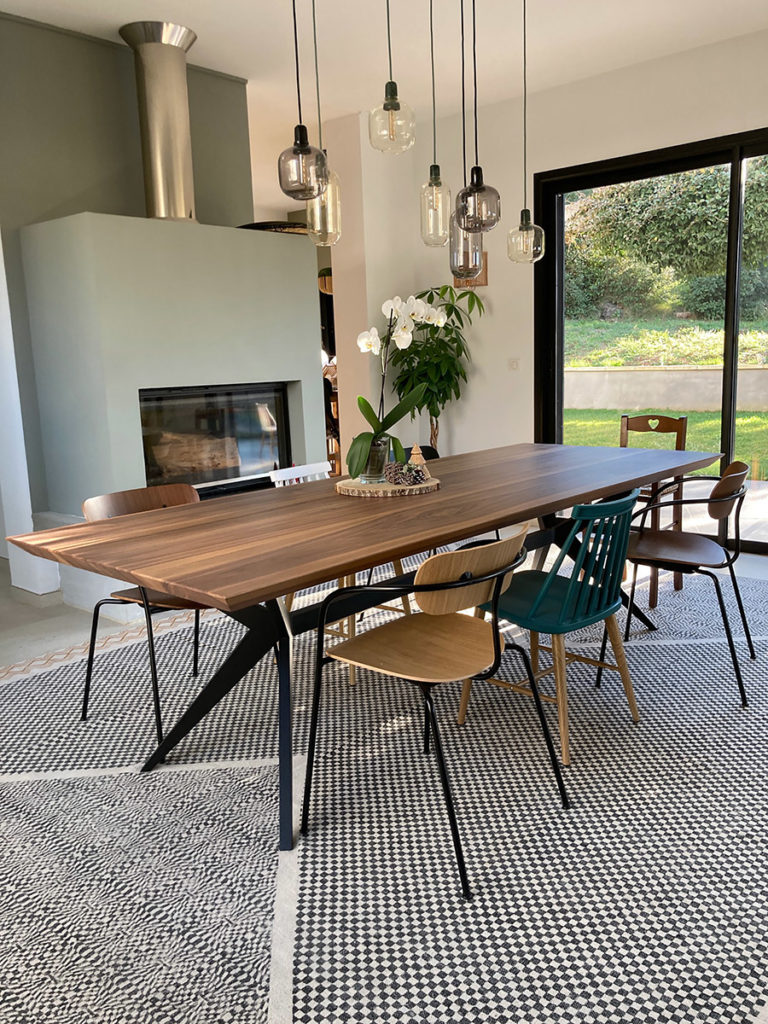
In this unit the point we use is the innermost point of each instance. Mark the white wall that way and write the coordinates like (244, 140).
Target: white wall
(703, 93)
(27, 571)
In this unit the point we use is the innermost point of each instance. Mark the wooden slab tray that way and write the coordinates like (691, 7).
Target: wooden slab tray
(357, 489)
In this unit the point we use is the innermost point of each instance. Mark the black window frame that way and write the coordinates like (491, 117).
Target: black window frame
(549, 188)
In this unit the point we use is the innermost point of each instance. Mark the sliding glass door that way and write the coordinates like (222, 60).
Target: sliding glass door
(653, 297)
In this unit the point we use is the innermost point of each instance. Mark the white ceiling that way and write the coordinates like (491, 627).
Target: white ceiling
(567, 40)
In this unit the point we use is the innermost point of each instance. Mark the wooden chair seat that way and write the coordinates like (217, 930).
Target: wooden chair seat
(660, 546)
(156, 598)
(424, 648)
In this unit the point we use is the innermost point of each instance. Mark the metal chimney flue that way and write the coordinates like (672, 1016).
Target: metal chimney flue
(160, 48)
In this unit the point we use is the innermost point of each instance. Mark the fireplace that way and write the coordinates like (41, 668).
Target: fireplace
(217, 437)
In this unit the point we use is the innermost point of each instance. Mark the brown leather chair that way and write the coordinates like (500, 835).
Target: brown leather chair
(120, 503)
(688, 553)
(650, 423)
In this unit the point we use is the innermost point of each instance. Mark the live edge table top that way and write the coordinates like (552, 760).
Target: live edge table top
(234, 552)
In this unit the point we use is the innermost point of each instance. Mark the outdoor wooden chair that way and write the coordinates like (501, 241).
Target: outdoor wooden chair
(677, 426)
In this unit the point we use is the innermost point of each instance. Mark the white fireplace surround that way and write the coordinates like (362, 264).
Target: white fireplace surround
(120, 303)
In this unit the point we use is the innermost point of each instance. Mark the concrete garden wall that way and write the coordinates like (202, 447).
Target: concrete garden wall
(677, 388)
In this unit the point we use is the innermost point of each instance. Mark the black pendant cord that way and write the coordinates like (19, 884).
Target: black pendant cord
(317, 77)
(432, 62)
(474, 79)
(463, 102)
(296, 55)
(525, 108)
(389, 42)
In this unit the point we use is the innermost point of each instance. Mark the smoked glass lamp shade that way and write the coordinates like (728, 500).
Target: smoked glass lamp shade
(324, 213)
(478, 206)
(392, 126)
(466, 251)
(435, 202)
(525, 244)
(301, 169)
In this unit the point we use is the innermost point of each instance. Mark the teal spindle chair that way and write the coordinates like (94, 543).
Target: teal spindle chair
(550, 603)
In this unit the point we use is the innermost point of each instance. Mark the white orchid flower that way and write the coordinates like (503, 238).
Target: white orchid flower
(392, 307)
(416, 308)
(441, 318)
(402, 337)
(369, 341)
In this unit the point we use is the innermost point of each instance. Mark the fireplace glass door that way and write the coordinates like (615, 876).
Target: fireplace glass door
(208, 434)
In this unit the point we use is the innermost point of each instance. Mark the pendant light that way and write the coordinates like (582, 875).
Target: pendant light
(478, 207)
(466, 259)
(301, 169)
(435, 198)
(525, 244)
(392, 126)
(324, 211)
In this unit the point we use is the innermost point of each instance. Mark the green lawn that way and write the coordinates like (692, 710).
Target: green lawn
(601, 427)
(659, 342)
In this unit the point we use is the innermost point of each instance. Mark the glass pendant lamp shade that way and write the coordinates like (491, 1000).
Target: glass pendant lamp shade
(302, 170)
(466, 251)
(435, 202)
(478, 206)
(525, 244)
(392, 126)
(324, 213)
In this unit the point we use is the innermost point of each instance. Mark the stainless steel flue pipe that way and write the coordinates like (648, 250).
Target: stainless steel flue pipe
(160, 48)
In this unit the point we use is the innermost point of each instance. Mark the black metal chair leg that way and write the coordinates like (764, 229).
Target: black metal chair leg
(543, 722)
(631, 602)
(196, 643)
(742, 613)
(603, 648)
(152, 664)
(425, 689)
(311, 748)
(91, 653)
(426, 729)
(728, 634)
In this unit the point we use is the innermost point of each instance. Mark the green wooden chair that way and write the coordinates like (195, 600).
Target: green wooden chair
(547, 602)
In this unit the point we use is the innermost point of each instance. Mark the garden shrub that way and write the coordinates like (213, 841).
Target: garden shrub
(705, 295)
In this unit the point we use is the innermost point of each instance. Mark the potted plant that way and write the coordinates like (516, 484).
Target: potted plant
(438, 356)
(369, 451)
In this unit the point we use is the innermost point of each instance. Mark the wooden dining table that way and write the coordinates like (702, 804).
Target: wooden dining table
(242, 553)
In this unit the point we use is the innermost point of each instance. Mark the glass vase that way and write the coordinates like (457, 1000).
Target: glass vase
(373, 472)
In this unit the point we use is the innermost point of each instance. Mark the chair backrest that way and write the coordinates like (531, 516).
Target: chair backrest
(464, 564)
(595, 582)
(140, 499)
(677, 425)
(427, 451)
(300, 474)
(728, 486)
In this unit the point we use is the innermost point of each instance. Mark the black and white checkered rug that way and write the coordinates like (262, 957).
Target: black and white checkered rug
(150, 898)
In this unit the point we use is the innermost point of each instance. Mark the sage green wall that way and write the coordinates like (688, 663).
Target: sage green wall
(69, 142)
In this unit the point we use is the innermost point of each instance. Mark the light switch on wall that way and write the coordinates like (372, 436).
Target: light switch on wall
(513, 364)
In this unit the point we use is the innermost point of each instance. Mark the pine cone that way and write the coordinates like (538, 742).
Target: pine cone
(406, 475)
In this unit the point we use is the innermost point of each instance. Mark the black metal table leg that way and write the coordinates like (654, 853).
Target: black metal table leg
(264, 632)
(285, 743)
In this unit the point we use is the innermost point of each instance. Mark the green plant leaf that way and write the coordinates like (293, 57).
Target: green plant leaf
(366, 409)
(357, 456)
(409, 402)
(397, 448)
